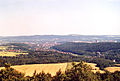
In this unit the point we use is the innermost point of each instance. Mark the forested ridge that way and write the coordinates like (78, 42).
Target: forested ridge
(102, 53)
(88, 47)
(39, 57)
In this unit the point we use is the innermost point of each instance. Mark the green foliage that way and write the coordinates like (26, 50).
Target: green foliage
(10, 74)
(41, 77)
(88, 47)
(81, 72)
(102, 53)
(102, 63)
(18, 46)
(59, 76)
(39, 57)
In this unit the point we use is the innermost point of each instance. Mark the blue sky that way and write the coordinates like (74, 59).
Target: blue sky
(61, 17)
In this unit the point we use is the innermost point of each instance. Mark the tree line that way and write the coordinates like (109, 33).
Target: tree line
(45, 57)
(105, 52)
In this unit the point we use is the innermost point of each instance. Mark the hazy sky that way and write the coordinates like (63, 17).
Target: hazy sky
(38, 17)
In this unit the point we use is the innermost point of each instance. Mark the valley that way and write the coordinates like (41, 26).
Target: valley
(53, 58)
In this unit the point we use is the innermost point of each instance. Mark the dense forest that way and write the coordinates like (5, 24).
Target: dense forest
(104, 52)
(79, 72)
(39, 57)
(80, 48)
(42, 57)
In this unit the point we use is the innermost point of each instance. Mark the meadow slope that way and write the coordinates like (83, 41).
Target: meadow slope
(49, 68)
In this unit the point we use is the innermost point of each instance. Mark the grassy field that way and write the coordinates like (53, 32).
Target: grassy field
(112, 69)
(47, 68)
(10, 53)
(117, 65)
(3, 47)
(7, 53)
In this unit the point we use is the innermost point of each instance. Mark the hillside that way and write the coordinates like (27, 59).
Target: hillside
(28, 70)
(47, 68)
(103, 53)
(87, 47)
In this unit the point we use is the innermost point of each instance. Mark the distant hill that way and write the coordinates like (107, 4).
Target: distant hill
(61, 38)
(87, 47)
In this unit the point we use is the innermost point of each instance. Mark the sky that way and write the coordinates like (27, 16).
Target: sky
(59, 17)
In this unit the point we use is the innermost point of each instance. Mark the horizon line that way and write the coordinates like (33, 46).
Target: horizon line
(60, 35)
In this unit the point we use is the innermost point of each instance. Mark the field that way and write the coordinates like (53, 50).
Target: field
(3, 47)
(112, 69)
(7, 53)
(117, 65)
(2, 53)
(47, 68)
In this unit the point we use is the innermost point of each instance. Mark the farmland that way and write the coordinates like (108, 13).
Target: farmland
(9, 51)
(48, 68)
(2, 53)
(3, 47)
(112, 69)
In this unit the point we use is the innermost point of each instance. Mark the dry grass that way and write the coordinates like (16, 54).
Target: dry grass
(117, 65)
(10, 53)
(3, 47)
(47, 68)
(112, 69)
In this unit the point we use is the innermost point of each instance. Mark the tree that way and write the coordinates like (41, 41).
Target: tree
(81, 72)
(59, 76)
(10, 74)
(41, 77)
